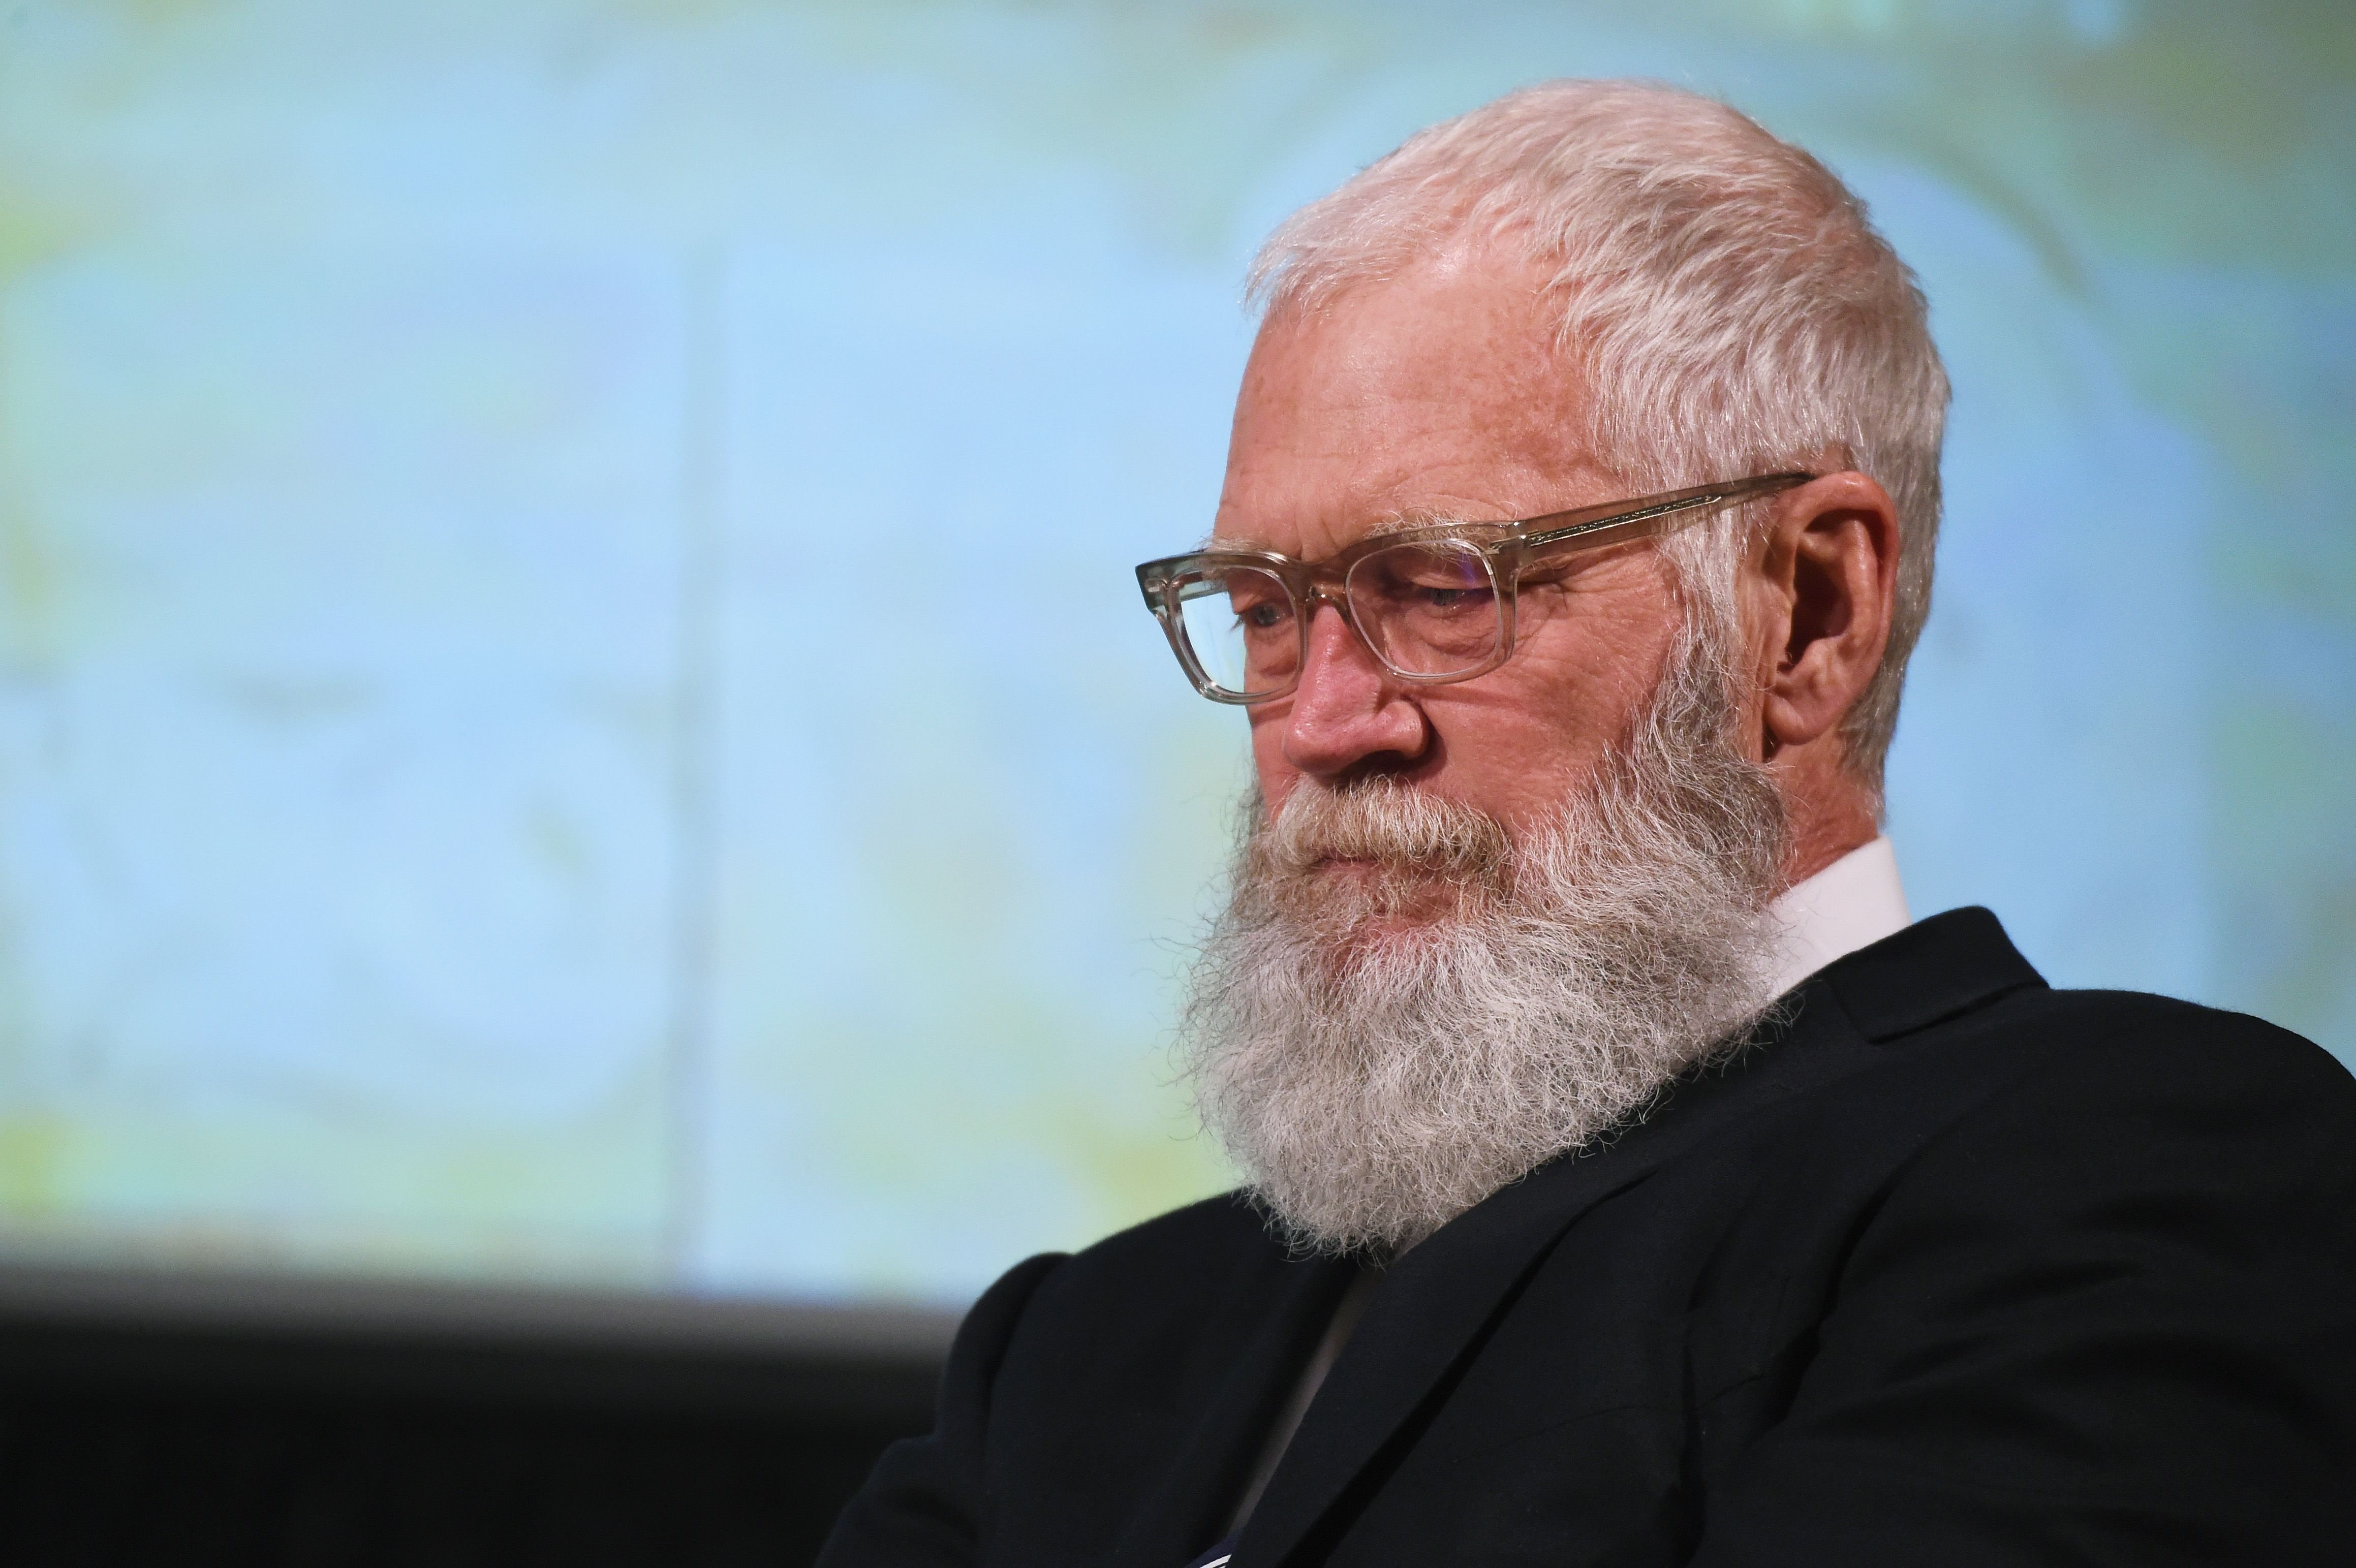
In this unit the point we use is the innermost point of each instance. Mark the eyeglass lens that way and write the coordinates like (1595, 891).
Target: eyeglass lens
(1243, 629)
(1426, 609)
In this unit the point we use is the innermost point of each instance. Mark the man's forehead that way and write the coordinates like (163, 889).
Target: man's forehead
(1439, 395)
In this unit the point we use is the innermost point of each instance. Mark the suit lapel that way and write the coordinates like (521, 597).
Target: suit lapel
(1428, 1314)
(1274, 1316)
(1432, 1311)
(1933, 970)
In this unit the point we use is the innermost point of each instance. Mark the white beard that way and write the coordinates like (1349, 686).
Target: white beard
(1380, 1054)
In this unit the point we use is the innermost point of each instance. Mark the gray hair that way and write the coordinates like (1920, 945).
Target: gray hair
(1372, 1086)
(1731, 307)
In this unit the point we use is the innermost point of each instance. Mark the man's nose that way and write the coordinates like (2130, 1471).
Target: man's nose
(1347, 709)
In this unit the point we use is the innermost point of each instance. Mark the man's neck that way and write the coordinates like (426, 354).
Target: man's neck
(1827, 812)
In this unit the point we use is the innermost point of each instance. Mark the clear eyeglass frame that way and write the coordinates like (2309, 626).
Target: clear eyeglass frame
(1484, 562)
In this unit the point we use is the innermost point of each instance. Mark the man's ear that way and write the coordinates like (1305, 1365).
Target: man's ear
(1827, 584)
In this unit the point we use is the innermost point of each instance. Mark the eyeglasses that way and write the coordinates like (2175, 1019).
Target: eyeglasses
(1432, 604)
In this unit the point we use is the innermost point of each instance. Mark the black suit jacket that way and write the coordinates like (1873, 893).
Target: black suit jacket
(1954, 1269)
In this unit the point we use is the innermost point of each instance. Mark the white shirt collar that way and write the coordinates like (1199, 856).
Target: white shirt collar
(1854, 902)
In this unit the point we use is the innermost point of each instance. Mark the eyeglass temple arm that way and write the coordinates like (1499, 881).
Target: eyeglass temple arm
(1648, 520)
(1153, 577)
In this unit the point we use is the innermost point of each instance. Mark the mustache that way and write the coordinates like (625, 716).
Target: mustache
(1386, 821)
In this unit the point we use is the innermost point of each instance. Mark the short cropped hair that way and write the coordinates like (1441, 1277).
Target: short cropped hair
(1731, 307)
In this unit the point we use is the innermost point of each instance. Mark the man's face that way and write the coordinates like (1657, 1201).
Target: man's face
(1486, 920)
(1438, 395)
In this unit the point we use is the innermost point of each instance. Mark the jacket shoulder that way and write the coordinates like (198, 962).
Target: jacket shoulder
(2046, 1107)
(1951, 992)
(2077, 1041)
(1175, 1257)
(2037, 1098)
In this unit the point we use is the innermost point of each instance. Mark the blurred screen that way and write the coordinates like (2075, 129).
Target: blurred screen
(572, 709)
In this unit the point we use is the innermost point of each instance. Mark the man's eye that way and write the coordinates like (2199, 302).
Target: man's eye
(1264, 617)
(1442, 599)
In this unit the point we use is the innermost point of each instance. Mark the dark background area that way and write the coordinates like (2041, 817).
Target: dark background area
(156, 1444)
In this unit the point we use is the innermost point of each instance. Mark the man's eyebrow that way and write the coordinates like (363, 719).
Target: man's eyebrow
(1390, 523)
(1421, 518)
(1212, 542)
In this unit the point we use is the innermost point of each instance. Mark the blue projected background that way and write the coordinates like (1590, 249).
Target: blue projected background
(519, 757)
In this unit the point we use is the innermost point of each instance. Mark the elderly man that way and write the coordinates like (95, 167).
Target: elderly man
(1630, 1180)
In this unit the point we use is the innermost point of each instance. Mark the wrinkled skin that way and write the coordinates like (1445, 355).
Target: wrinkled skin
(1439, 393)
